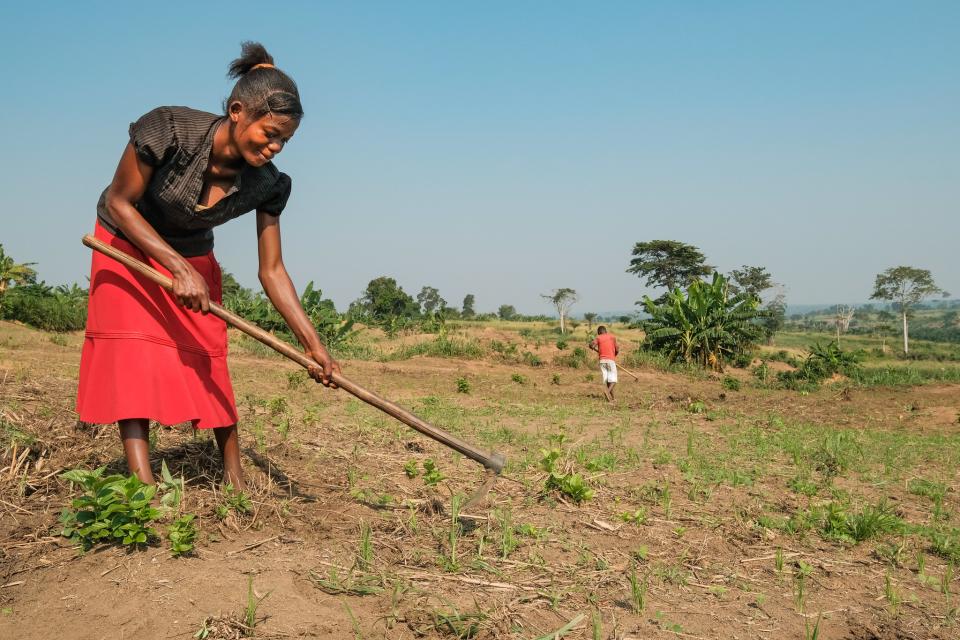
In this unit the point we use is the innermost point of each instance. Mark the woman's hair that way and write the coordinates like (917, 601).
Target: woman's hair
(265, 89)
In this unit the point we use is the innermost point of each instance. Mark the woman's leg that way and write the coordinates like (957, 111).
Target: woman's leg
(135, 434)
(229, 443)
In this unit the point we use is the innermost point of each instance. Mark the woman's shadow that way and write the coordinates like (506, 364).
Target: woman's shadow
(199, 463)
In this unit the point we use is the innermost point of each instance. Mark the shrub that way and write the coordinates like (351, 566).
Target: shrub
(762, 371)
(532, 359)
(822, 362)
(575, 360)
(561, 344)
(742, 360)
(730, 383)
(440, 347)
(51, 309)
(519, 379)
(503, 349)
(463, 385)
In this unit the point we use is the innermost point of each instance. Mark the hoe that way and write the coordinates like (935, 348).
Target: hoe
(493, 461)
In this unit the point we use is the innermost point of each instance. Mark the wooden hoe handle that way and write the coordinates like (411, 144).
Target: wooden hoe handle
(493, 461)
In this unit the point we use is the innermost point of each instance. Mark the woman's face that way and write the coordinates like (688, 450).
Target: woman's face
(259, 139)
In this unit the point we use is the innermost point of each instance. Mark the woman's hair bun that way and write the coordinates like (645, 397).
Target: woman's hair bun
(265, 90)
(251, 54)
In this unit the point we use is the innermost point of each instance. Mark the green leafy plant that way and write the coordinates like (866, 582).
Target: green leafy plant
(561, 344)
(572, 485)
(410, 468)
(637, 517)
(111, 508)
(519, 379)
(233, 500)
(182, 534)
(171, 488)
(431, 474)
(463, 385)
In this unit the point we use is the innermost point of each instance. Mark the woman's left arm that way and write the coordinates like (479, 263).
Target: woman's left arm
(279, 288)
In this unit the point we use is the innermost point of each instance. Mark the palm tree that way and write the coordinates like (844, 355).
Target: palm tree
(11, 272)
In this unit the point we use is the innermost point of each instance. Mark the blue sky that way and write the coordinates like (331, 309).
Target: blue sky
(506, 149)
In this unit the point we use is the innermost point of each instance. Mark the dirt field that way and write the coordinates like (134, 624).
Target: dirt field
(715, 512)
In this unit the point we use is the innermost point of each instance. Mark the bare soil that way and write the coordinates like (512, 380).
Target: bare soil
(708, 567)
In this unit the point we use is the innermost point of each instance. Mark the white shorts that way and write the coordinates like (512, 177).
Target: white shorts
(608, 369)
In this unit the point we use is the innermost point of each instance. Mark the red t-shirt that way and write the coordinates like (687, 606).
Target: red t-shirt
(607, 345)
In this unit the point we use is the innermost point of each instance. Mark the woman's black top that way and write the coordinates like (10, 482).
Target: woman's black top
(176, 142)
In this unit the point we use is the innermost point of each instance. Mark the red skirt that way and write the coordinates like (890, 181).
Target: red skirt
(145, 356)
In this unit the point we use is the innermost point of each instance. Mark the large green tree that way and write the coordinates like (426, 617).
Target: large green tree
(590, 317)
(507, 312)
(384, 300)
(905, 287)
(668, 263)
(468, 310)
(562, 300)
(751, 280)
(14, 273)
(429, 300)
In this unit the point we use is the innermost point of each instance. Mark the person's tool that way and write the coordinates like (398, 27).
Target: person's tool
(493, 461)
(625, 370)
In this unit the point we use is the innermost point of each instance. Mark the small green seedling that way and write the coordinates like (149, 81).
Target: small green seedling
(365, 547)
(182, 534)
(891, 595)
(253, 603)
(233, 500)
(410, 468)
(463, 385)
(171, 488)
(800, 583)
(638, 590)
(637, 517)
(431, 475)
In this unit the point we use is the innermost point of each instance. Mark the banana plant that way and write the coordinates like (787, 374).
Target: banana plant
(704, 325)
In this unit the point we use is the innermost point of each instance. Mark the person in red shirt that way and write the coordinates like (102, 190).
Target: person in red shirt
(606, 346)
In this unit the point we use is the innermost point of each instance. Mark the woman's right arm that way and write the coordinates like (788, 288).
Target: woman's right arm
(129, 183)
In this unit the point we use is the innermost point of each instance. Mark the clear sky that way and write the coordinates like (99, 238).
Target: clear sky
(509, 148)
